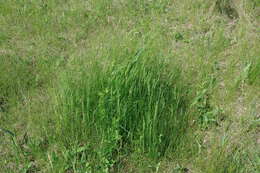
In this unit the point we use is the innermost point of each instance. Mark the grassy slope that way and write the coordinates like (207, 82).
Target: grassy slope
(49, 49)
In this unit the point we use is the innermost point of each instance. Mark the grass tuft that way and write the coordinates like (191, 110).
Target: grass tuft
(138, 105)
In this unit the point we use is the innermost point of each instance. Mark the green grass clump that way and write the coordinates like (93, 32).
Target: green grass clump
(134, 106)
(254, 72)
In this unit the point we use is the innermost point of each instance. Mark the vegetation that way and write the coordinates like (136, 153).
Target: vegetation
(129, 86)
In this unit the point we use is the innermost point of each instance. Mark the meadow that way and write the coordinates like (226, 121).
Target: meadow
(136, 86)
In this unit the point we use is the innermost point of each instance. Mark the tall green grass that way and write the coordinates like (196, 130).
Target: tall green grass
(135, 106)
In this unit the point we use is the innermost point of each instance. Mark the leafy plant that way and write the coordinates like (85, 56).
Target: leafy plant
(208, 115)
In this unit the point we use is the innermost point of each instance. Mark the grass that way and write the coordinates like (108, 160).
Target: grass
(129, 86)
(119, 109)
